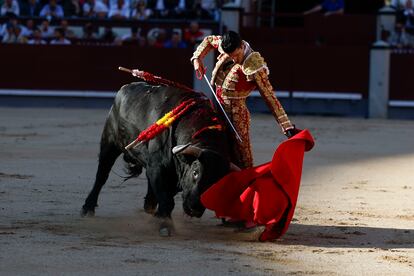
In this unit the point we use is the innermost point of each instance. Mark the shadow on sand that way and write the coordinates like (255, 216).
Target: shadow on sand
(348, 236)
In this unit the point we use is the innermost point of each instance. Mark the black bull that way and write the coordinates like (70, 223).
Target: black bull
(175, 160)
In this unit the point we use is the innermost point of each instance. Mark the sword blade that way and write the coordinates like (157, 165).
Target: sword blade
(222, 109)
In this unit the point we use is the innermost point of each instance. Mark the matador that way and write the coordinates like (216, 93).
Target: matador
(238, 71)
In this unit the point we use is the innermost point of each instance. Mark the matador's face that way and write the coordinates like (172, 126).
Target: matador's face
(238, 54)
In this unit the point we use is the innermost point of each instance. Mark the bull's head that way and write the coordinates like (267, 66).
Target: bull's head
(203, 168)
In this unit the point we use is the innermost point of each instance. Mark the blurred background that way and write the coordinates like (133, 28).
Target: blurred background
(326, 57)
(339, 61)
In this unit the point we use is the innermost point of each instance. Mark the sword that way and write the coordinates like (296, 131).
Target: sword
(222, 109)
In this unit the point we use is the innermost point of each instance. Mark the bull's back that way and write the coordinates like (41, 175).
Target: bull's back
(138, 105)
(133, 97)
(140, 99)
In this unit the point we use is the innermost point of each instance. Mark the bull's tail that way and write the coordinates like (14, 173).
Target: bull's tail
(133, 171)
(133, 167)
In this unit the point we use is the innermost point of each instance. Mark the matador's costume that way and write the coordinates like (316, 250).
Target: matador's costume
(234, 83)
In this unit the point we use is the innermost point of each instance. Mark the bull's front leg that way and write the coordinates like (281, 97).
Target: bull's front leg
(150, 201)
(164, 193)
(163, 213)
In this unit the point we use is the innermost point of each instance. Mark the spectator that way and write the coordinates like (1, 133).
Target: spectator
(141, 12)
(175, 41)
(404, 15)
(93, 8)
(108, 36)
(60, 38)
(184, 8)
(52, 10)
(10, 6)
(119, 11)
(69, 33)
(31, 8)
(132, 38)
(27, 31)
(19, 37)
(211, 8)
(234, 4)
(328, 7)
(45, 29)
(398, 4)
(14, 34)
(37, 38)
(12, 20)
(199, 12)
(181, 8)
(193, 35)
(10, 35)
(89, 32)
(408, 13)
(113, 3)
(161, 37)
(71, 8)
(152, 36)
(398, 37)
(163, 8)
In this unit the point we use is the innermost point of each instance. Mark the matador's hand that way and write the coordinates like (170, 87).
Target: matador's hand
(199, 67)
(292, 132)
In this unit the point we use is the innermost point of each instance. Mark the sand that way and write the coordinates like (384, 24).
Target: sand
(355, 212)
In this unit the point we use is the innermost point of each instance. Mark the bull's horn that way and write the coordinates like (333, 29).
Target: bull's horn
(187, 149)
(179, 148)
(234, 167)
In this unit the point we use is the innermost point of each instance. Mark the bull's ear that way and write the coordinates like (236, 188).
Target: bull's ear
(187, 150)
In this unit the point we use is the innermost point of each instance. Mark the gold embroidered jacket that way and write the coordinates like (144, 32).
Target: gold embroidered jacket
(235, 81)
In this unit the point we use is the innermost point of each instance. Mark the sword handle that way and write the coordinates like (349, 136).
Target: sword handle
(125, 69)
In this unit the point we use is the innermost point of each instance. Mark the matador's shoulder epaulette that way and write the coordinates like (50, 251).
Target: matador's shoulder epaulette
(253, 63)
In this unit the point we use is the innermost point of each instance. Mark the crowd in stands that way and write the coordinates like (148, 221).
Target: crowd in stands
(328, 7)
(403, 34)
(117, 9)
(21, 28)
(63, 34)
(29, 21)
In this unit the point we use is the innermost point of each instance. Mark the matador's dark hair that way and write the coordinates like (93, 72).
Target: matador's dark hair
(230, 41)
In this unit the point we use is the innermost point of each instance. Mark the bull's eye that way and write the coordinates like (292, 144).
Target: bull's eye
(195, 175)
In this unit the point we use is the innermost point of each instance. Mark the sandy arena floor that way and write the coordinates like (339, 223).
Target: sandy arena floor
(355, 213)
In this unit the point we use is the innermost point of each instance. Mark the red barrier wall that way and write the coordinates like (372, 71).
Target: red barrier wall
(87, 67)
(314, 29)
(401, 76)
(292, 68)
(322, 69)
(341, 30)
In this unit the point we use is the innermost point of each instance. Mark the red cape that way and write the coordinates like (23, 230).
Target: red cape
(265, 194)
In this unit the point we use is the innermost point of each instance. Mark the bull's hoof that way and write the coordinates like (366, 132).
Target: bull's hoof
(87, 212)
(150, 207)
(165, 228)
(165, 232)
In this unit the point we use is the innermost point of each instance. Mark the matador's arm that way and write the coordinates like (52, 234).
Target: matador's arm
(209, 43)
(256, 70)
(266, 90)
